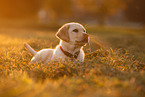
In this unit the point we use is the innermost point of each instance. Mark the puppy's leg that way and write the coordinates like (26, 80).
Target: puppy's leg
(35, 59)
(43, 56)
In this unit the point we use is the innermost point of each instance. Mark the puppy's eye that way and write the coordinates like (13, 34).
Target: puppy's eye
(84, 30)
(75, 30)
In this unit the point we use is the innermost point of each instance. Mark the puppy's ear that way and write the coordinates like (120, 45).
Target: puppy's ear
(63, 33)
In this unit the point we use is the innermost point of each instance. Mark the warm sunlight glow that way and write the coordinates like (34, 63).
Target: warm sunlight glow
(114, 57)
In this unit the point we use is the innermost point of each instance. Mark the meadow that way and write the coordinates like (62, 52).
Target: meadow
(114, 65)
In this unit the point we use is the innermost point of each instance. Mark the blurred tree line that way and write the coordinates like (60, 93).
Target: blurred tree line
(136, 11)
(74, 10)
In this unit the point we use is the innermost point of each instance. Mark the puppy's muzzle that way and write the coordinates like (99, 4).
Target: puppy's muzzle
(84, 40)
(86, 36)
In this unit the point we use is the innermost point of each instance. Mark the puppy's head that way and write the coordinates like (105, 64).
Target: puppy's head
(73, 33)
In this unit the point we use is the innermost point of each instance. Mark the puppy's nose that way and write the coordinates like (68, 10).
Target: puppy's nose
(86, 37)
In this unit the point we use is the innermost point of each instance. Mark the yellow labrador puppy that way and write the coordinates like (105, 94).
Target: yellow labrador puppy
(72, 37)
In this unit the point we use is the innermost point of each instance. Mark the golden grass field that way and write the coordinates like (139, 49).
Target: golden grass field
(114, 65)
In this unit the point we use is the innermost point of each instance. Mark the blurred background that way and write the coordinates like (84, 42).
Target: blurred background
(50, 13)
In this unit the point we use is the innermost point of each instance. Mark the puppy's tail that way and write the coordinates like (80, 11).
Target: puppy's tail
(30, 49)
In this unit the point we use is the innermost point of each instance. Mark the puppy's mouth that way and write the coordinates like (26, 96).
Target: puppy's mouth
(83, 42)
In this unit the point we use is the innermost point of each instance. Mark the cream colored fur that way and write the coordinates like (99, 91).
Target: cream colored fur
(72, 37)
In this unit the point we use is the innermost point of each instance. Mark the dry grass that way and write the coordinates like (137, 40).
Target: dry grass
(116, 70)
